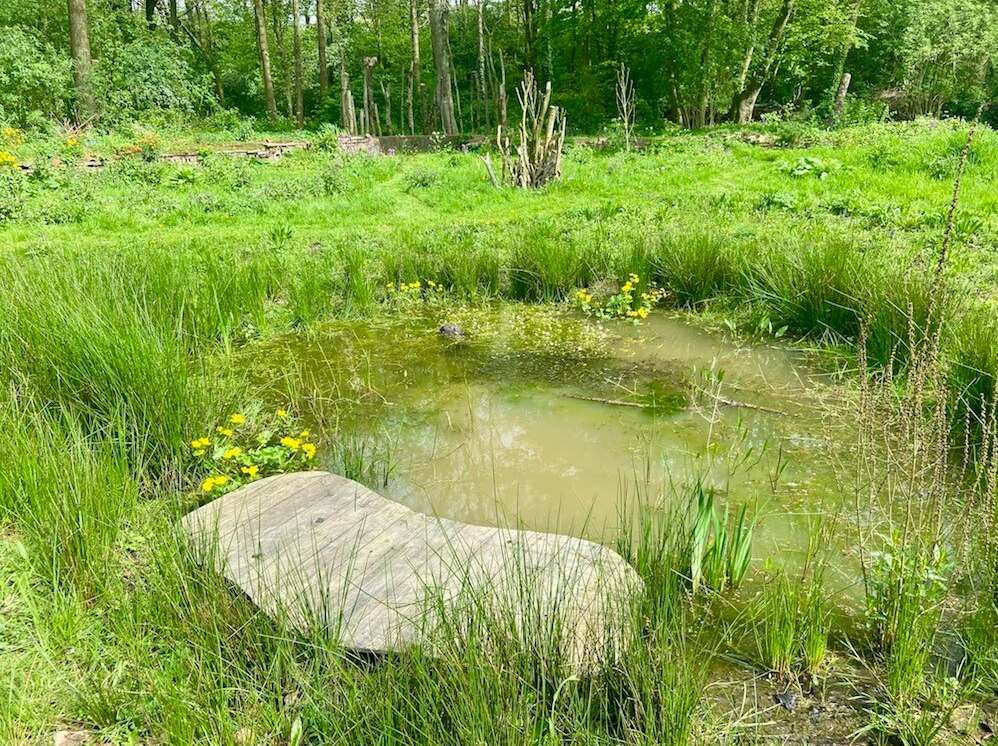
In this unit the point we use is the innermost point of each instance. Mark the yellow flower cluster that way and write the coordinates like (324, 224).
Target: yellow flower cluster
(232, 453)
(293, 443)
(200, 445)
(251, 471)
(641, 313)
(282, 413)
(212, 482)
(224, 431)
(11, 137)
(7, 160)
(238, 419)
(632, 280)
(309, 450)
(583, 296)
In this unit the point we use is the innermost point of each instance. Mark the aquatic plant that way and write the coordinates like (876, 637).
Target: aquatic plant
(620, 304)
(719, 552)
(238, 451)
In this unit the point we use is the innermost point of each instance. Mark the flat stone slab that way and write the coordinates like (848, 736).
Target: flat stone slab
(317, 548)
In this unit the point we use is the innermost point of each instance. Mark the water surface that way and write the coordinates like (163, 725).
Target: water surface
(505, 427)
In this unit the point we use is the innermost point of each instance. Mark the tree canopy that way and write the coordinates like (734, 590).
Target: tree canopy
(692, 62)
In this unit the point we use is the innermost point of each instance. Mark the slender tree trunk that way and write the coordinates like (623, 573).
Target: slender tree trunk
(263, 49)
(278, 19)
(386, 92)
(79, 49)
(675, 108)
(320, 29)
(743, 105)
(369, 63)
(840, 63)
(346, 99)
(528, 33)
(482, 78)
(174, 21)
(441, 61)
(700, 118)
(414, 71)
(750, 18)
(299, 86)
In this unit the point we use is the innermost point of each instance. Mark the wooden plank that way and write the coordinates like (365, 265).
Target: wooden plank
(320, 548)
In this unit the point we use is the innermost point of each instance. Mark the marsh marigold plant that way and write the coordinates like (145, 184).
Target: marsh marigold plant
(245, 449)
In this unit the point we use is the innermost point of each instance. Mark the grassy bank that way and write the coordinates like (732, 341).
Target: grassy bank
(125, 288)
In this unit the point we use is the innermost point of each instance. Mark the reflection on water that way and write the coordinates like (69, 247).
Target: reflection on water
(527, 419)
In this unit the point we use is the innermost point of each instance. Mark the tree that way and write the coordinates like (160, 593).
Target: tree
(79, 49)
(743, 105)
(264, 52)
(320, 30)
(439, 39)
(415, 75)
(299, 91)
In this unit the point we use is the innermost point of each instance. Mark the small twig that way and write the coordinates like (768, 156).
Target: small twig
(615, 402)
(641, 405)
(741, 404)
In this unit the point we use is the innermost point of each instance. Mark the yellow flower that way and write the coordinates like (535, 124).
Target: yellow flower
(208, 485)
(632, 314)
(628, 287)
(431, 283)
(633, 277)
(643, 313)
(238, 419)
(221, 479)
(199, 453)
(224, 431)
(250, 471)
(282, 413)
(309, 450)
(291, 443)
(196, 443)
(232, 453)
(304, 434)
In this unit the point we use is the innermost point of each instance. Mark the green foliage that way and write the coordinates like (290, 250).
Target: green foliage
(720, 552)
(33, 78)
(791, 624)
(238, 452)
(148, 80)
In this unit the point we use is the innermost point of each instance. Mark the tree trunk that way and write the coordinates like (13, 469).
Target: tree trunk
(320, 29)
(414, 71)
(528, 33)
(840, 62)
(347, 115)
(743, 105)
(174, 21)
(278, 19)
(299, 88)
(79, 48)
(441, 61)
(386, 91)
(263, 49)
(482, 79)
(750, 18)
(369, 63)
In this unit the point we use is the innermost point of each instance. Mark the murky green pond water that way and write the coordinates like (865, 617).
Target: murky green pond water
(504, 426)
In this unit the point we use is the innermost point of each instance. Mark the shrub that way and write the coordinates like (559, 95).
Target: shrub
(33, 78)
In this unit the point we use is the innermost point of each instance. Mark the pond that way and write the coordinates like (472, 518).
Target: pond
(544, 418)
